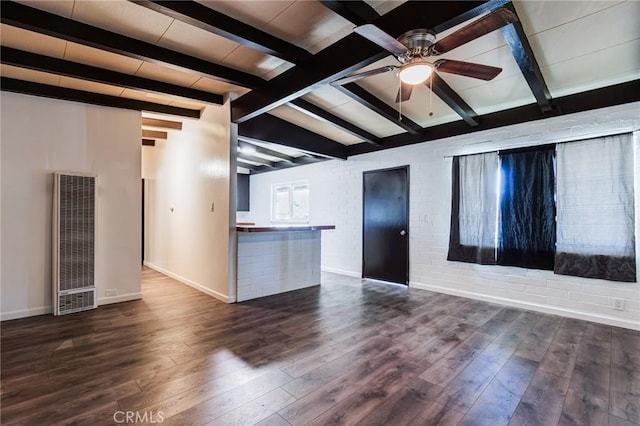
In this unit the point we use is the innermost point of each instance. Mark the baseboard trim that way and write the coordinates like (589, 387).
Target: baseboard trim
(188, 282)
(120, 298)
(341, 272)
(44, 310)
(555, 310)
(24, 313)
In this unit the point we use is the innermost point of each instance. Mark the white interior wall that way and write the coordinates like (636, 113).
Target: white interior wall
(336, 199)
(40, 136)
(185, 176)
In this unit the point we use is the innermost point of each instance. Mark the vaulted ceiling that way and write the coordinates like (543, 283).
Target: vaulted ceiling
(280, 61)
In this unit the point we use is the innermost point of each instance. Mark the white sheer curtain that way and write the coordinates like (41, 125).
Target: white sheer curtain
(474, 208)
(595, 209)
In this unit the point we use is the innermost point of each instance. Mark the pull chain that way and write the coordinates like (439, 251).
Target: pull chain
(399, 98)
(431, 96)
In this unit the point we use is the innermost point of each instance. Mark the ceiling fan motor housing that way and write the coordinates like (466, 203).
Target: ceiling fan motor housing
(418, 43)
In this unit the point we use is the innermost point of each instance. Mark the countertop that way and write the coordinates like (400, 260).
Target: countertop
(283, 228)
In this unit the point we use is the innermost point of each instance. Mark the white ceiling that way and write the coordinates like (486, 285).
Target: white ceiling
(579, 45)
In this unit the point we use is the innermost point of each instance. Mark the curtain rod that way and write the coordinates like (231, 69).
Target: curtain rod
(549, 142)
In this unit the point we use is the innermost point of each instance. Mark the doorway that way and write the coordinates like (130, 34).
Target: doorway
(385, 225)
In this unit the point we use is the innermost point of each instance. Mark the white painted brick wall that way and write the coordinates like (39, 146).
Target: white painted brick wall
(276, 262)
(336, 199)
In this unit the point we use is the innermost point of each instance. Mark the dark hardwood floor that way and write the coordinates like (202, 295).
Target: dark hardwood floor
(348, 352)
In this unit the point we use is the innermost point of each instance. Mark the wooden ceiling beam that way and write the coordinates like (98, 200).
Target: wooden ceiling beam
(590, 100)
(262, 169)
(362, 96)
(521, 50)
(34, 61)
(356, 11)
(326, 66)
(205, 18)
(308, 159)
(148, 142)
(254, 159)
(333, 120)
(156, 122)
(154, 134)
(249, 166)
(352, 53)
(476, 12)
(56, 92)
(32, 19)
(441, 89)
(299, 161)
(245, 144)
(268, 128)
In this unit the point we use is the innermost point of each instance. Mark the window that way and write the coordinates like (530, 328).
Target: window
(290, 203)
(474, 207)
(596, 209)
(580, 222)
(503, 208)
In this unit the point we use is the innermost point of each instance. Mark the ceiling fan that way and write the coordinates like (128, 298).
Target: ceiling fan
(413, 48)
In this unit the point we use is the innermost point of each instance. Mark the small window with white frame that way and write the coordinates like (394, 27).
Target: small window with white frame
(290, 202)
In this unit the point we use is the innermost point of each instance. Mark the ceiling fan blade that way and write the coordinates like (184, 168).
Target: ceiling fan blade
(354, 77)
(382, 39)
(467, 69)
(404, 93)
(482, 26)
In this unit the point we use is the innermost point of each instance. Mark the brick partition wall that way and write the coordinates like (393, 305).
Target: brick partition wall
(277, 262)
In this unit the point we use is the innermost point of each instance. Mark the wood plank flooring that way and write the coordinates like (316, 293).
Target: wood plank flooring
(347, 352)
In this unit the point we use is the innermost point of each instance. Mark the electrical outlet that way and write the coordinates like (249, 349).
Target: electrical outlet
(111, 292)
(618, 304)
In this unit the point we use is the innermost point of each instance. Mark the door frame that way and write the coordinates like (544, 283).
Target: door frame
(142, 223)
(408, 205)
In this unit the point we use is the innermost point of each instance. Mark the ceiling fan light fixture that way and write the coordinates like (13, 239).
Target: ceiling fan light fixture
(415, 72)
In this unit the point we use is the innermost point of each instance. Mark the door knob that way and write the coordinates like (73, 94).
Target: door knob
(403, 232)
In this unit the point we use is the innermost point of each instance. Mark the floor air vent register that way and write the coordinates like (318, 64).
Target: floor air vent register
(74, 221)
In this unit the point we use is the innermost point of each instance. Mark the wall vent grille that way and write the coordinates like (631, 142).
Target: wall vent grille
(74, 217)
(75, 302)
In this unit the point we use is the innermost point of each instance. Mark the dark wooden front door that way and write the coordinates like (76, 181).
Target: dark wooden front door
(385, 219)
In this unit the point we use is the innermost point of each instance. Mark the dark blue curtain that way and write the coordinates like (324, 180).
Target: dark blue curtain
(527, 208)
